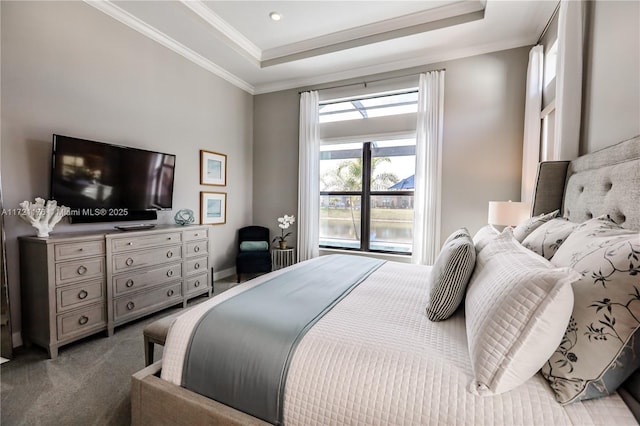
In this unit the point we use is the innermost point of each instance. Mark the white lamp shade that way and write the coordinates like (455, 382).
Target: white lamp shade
(507, 213)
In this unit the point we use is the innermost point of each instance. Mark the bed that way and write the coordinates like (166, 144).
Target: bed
(370, 361)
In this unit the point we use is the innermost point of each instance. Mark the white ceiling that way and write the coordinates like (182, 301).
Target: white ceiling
(322, 41)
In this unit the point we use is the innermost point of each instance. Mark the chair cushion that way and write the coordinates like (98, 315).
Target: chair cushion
(254, 246)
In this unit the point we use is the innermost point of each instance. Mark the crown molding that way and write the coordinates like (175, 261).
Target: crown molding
(235, 39)
(156, 35)
(414, 61)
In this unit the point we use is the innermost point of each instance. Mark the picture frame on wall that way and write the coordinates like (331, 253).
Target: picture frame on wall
(213, 168)
(213, 208)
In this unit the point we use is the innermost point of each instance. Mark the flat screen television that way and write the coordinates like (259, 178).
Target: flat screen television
(102, 182)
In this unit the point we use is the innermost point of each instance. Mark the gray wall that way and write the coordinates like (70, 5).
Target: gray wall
(611, 97)
(69, 69)
(275, 159)
(482, 153)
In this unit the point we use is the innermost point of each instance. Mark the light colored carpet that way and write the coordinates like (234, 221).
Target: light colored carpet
(88, 384)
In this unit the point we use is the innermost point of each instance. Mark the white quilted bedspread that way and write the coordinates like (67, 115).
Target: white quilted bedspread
(376, 359)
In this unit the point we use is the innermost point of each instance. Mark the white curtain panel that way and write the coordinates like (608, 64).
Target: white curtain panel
(569, 80)
(309, 177)
(427, 192)
(532, 109)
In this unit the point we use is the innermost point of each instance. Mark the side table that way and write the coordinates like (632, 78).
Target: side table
(281, 258)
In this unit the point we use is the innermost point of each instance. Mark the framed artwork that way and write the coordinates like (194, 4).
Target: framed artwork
(213, 208)
(213, 168)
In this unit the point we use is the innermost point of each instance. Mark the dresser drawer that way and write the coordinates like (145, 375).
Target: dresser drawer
(139, 303)
(135, 242)
(77, 323)
(196, 234)
(69, 251)
(197, 283)
(193, 266)
(77, 295)
(151, 257)
(197, 248)
(68, 272)
(137, 281)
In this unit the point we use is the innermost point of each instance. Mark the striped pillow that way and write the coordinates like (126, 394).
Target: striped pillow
(450, 274)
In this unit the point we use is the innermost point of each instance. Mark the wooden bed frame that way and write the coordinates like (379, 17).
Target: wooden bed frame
(158, 402)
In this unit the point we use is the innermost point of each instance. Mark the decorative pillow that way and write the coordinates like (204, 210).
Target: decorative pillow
(528, 226)
(601, 345)
(548, 237)
(450, 275)
(254, 246)
(486, 234)
(517, 308)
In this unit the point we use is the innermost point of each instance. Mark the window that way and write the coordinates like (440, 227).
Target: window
(550, 63)
(379, 105)
(366, 195)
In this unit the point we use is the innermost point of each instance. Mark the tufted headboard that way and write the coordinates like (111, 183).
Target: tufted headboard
(602, 182)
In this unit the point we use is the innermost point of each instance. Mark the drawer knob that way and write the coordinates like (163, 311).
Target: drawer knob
(129, 283)
(196, 266)
(169, 254)
(83, 320)
(129, 261)
(197, 283)
(82, 270)
(170, 292)
(81, 249)
(196, 234)
(83, 294)
(130, 243)
(170, 273)
(168, 238)
(196, 249)
(131, 305)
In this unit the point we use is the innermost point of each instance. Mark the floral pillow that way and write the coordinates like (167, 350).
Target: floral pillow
(600, 346)
(548, 237)
(521, 231)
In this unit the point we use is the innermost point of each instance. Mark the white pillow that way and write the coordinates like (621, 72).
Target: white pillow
(517, 309)
(486, 234)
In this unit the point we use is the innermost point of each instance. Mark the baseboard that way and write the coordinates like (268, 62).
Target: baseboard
(224, 273)
(16, 339)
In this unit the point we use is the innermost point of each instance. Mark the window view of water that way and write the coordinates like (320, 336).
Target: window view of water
(388, 213)
(391, 223)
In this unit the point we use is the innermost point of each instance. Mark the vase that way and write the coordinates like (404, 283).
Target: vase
(283, 245)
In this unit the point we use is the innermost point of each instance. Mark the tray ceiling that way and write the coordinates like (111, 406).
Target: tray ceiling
(322, 41)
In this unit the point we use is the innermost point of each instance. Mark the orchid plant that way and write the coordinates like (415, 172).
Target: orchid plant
(284, 223)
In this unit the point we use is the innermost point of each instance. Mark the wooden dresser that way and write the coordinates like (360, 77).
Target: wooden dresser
(77, 284)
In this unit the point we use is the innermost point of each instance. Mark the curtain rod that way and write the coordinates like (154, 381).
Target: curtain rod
(370, 81)
(546, 27)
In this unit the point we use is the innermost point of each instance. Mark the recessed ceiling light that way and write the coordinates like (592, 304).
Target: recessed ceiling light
(275, 16)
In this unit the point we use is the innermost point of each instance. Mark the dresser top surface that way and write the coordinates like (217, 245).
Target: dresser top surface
(102, 233)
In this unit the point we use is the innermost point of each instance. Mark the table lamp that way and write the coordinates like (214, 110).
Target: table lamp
(507, 213)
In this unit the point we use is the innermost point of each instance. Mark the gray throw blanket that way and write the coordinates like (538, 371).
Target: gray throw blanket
(240, 350)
